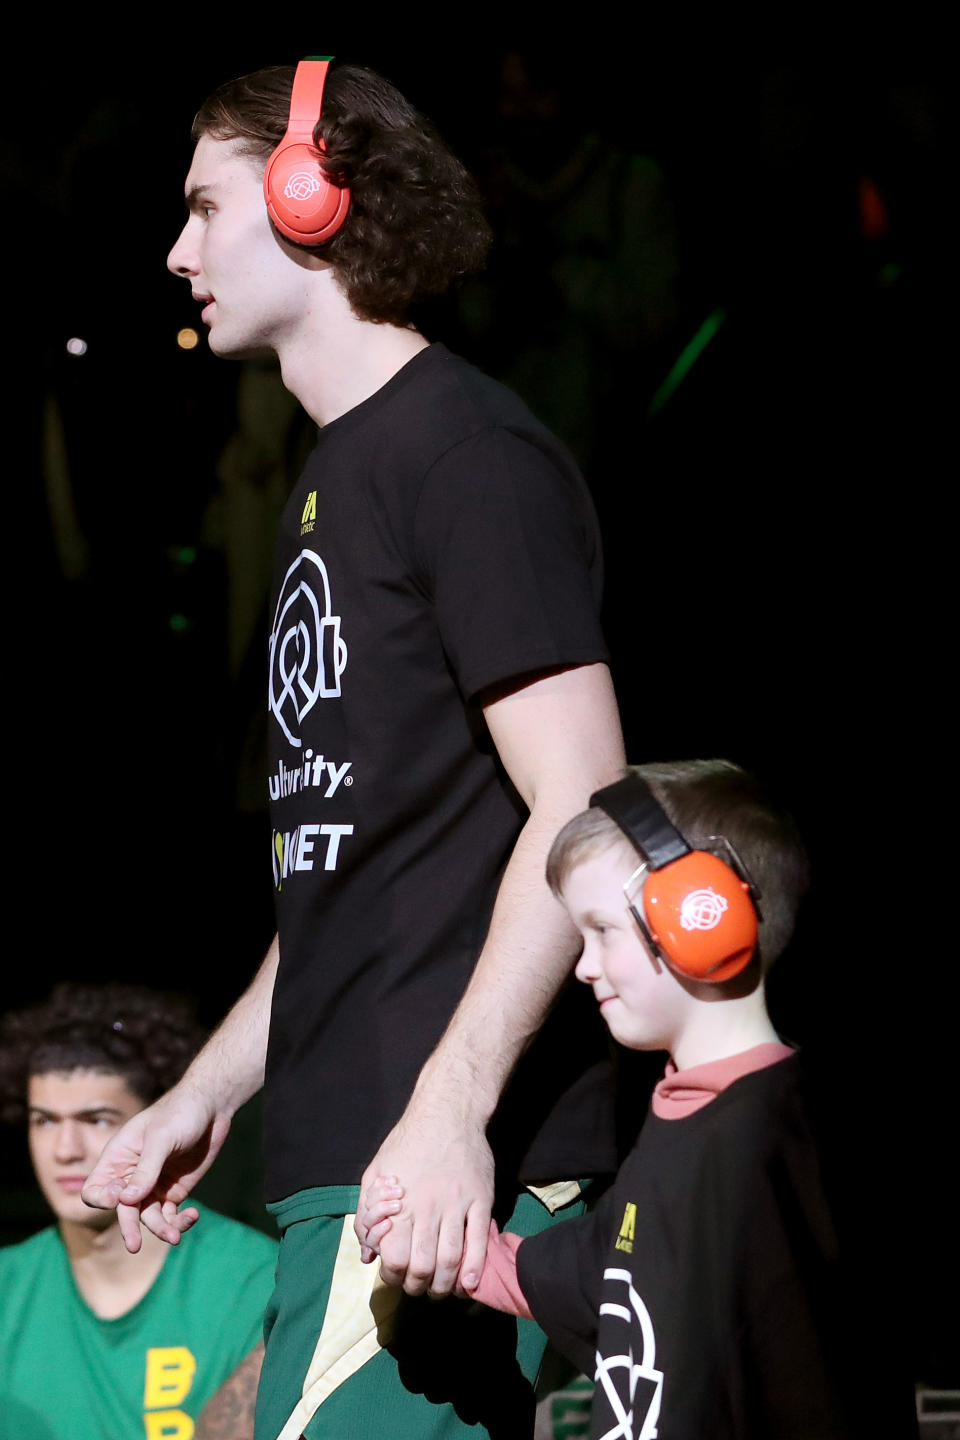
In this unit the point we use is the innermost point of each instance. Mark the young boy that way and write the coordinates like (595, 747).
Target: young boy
(704, 1293)
(94, 1341)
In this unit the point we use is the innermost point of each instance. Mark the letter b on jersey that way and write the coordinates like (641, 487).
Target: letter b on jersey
(168, 1425)
(170, 1372)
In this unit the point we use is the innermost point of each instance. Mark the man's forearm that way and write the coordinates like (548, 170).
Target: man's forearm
(559, 741)
(229, 1068)
(529, 952)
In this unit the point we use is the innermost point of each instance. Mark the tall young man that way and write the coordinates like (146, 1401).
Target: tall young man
(439, 707)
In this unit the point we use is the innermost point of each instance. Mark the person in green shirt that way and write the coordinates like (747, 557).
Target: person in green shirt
(96, 1343)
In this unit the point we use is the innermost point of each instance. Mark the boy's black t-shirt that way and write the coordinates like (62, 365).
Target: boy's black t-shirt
(708, 1293)
(439, 542)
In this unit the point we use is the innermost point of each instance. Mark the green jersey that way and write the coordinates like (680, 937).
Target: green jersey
(65, 1374)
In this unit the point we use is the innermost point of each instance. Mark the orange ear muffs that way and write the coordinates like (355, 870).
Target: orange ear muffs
(700, 915)
(693, 908)
(304, 205)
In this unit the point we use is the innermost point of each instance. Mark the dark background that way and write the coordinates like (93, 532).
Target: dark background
(776, 526)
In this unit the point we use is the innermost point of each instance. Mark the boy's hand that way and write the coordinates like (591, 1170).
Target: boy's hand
(377, 1204)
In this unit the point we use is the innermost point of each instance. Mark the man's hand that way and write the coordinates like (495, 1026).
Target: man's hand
(439, 1233)
(153, 1163)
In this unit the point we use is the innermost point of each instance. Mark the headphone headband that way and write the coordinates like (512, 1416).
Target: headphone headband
(306, 99)
(631, 804)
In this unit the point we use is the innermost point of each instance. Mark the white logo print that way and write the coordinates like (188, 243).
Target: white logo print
(307, 655)
(301, 185)
(702, 909)
(634, 1407)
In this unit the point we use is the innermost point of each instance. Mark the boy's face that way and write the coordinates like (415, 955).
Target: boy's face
(250, 282)
(640, 1000)
(70, 1118)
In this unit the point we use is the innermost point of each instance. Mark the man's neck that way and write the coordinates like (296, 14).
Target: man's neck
(110, 1279)
(334, 360)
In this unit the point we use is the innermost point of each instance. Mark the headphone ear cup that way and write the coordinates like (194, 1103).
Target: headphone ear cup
(701, 916)
(304, 205)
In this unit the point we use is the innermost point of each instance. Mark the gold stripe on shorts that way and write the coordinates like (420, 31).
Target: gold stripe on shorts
(357, 1323)
(556, 1194)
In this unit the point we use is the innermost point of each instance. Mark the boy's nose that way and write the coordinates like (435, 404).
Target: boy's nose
(586, 969)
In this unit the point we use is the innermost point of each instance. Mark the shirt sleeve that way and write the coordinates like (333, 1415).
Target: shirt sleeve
(499, 1287)
(508, 548)
(560, 1273)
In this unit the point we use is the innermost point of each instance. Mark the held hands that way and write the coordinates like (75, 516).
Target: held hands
(153, 1163)
(382, 1200)
(431, 1233)
(378, 1204)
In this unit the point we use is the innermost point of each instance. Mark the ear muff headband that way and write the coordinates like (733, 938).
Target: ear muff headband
(693, 907)
(304, 205)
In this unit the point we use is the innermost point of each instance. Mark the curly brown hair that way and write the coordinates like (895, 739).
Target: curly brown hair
(146, 1037)
(415, 223)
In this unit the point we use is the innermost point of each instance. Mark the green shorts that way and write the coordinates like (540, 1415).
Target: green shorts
(349, 1358)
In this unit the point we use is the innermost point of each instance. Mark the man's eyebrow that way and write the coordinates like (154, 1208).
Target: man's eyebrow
(89, 1113)
(196, 194)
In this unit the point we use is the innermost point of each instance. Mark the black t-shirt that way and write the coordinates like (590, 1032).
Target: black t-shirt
(440, 541)
(707, 1293)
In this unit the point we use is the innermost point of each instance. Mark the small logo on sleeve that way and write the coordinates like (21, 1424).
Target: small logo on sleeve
(308, 519)
(628, 1228)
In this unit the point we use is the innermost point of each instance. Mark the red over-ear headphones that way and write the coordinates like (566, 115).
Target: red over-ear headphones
(694, 909)
(304, 205)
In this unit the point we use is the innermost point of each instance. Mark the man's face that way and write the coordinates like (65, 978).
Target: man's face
(70, 1118)
(250, 282)
(640, 1000)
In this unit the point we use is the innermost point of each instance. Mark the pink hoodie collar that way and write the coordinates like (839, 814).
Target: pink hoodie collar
(681, 1092)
